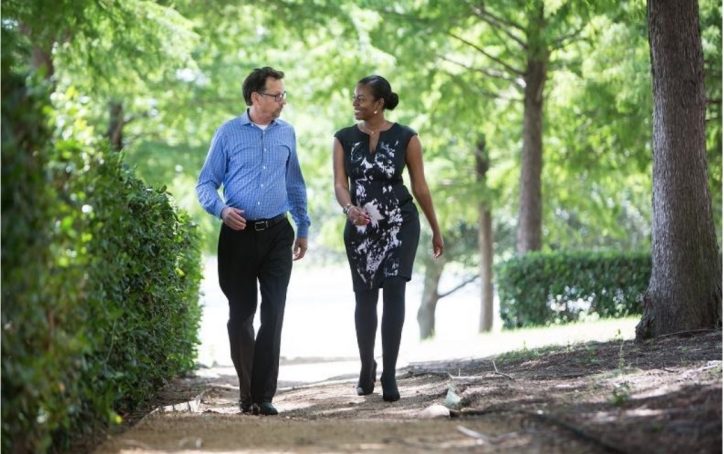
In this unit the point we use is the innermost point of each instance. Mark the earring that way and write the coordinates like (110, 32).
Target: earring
(375, 112)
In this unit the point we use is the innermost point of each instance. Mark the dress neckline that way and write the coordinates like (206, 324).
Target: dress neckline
(379, 133)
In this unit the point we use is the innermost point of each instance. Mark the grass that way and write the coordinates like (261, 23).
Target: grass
(525, 343)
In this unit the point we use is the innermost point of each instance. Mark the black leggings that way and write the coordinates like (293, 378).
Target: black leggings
(393, 317)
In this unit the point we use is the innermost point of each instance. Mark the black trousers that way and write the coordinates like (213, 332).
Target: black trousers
(247, 257)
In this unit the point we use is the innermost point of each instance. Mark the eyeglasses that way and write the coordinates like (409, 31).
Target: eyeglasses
(279, 97)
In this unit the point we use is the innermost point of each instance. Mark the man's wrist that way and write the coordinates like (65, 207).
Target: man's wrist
(302, 232)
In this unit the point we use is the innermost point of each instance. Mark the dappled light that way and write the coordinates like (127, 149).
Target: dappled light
(591, 396)
(535, 187)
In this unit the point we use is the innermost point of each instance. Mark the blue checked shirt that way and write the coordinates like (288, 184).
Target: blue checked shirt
(259, 170)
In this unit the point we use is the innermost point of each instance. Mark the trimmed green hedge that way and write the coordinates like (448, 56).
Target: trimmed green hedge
(100, 280)
(545, 288)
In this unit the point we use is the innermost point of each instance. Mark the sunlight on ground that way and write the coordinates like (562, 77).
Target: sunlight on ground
(482, 345)
(318, 340)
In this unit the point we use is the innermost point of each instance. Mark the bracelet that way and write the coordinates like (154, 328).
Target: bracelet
(346, 208)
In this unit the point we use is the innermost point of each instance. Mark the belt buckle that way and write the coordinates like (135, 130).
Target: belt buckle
(261, 225)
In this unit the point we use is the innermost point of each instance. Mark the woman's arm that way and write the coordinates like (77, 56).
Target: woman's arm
(341, 187)
(421, 191)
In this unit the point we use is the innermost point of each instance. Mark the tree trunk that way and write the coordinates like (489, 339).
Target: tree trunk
(530, 211)
(430, 297)
(684, 292)
(41, 57)
(115, 125)
(485, 242)
(42, 62)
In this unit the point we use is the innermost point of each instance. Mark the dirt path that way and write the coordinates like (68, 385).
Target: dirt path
(662, 396)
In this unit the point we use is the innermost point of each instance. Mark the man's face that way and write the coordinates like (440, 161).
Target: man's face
(270, 101)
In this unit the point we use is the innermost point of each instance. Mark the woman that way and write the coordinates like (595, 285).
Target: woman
(383, 227)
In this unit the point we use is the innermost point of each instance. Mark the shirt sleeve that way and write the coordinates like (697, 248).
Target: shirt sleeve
(297, 192)
(212, 175)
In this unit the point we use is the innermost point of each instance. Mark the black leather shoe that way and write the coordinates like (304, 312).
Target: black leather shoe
(245, 407)
(389, 389)
(265, 409)
(366, 385)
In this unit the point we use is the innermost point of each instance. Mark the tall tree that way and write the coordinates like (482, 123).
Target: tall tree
(112, 50)
(485, 240)
(537, 53)
(685, 291)
(510, 48)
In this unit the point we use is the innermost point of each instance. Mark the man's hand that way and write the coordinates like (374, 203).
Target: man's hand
(300, 248)
(234, 218)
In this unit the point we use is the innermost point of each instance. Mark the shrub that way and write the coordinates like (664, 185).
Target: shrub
(40, 354)
(100, 278)
(545, 288)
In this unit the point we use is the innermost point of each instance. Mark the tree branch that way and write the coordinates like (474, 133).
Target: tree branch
(500, 24)
(562, 41)
(484, 52)
(497, 372)
(483, 71)
(459, 286)
(508, 22)
(505, 42)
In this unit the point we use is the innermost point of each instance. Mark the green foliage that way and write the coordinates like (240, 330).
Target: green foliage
(598, 154)
(177, 168)
(145, 262)
(545, 288)
(37, 350)
(100, 279)
(457, 66)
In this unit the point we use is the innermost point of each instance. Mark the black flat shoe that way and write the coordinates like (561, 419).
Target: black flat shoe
(264, 409)
(245, 407)
(390, 392)
(365, 389)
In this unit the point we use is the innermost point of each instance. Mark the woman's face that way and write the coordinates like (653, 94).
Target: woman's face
(364, 103)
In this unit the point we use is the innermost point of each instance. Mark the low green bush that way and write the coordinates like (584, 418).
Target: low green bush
(100, 279)
(546, 288)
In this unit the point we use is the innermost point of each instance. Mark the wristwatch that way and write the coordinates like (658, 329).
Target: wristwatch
(346, 208)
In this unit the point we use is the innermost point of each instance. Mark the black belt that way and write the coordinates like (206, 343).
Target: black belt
(263, 224)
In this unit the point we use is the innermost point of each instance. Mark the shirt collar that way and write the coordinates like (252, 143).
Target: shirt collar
(246, 120)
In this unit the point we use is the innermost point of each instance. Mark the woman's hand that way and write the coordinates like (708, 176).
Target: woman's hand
(358, 216)
(437, 245)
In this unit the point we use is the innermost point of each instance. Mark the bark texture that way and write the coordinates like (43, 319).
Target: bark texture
(684, 292)
(485, 243)
(531, 208)
(430, 297)
(115, 125)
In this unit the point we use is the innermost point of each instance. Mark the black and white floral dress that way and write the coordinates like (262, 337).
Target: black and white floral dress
(386, 246)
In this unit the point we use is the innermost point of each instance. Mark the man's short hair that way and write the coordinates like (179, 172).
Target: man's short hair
(256, 81)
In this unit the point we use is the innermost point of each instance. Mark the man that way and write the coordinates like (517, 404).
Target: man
(255, 157)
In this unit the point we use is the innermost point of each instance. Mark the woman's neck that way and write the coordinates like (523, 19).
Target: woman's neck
(374, 124)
